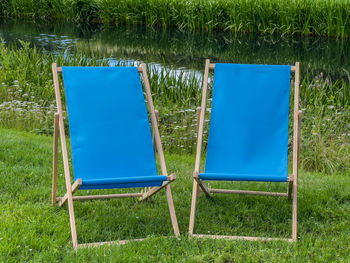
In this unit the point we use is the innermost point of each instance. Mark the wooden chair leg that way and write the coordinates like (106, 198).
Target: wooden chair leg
(198, 118)
(72, 221)
(153, 135)
(156, 189)
(75, 187)
(295, 210)
(290, 190)
(172, 211)
(193, 207)
(55, 159)
(147, 189)
(202, 185)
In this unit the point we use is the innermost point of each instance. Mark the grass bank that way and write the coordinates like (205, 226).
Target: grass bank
(27, 103)
(33, 231)
(302, 17)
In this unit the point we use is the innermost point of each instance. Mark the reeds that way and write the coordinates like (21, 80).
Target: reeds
(302, 17)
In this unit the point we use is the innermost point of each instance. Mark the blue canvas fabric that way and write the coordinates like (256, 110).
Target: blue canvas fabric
(109, 128)
(248, 134)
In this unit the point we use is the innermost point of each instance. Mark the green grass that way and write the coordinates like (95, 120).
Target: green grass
(34, 231)
(302, 17)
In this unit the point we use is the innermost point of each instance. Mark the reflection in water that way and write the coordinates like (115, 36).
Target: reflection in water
(188, 50)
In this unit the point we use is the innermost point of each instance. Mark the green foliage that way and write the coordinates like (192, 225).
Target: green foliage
(34, 231)
(306, 17)
(28, 70)
(5, 8)
(86, 12)
(27, 102)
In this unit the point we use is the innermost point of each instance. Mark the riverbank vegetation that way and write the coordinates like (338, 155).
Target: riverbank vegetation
(27, 102)
(299, 17)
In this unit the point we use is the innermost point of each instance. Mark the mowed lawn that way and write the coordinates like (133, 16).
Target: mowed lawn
(32, 230)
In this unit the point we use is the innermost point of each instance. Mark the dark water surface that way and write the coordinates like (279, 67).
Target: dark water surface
(181, 50)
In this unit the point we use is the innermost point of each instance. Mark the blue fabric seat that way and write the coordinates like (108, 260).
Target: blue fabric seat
(242, 177)
(104, 182)
(248, 133)
(109, 128)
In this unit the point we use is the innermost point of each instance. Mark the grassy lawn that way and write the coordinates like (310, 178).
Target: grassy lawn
(32, 230)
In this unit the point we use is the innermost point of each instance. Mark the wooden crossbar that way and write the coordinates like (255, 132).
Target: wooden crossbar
(292, 68)
(109, 196)
(226, 191)
(117, 242)
(243, 238)
(59, 69)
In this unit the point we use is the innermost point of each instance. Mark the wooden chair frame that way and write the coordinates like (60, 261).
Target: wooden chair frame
(59, 132)
(292, 179)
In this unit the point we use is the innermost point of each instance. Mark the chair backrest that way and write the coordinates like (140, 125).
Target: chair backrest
(108, 122)
(248, 132)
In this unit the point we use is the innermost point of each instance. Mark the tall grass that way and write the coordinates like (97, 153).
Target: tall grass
(305, 17)
(27, 102)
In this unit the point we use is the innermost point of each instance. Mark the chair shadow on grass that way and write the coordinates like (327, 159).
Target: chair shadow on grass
(121, 219)
(244, 215)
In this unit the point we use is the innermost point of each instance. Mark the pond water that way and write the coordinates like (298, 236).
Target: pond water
(187, 51)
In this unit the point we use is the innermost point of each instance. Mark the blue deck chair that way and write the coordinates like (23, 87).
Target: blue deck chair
(111, 139)
(248, 133)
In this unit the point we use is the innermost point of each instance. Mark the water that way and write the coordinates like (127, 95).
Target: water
(187, 51)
